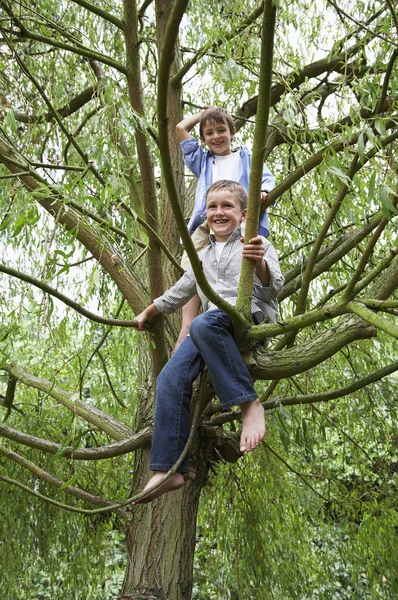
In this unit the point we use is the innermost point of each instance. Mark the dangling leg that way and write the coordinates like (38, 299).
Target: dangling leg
(213, 335)
(171, 429)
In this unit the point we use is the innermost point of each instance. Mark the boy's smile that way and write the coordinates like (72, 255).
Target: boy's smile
(218, 138)
(224, 214)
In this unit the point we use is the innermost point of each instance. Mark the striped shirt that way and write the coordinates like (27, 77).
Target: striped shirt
(223, 276)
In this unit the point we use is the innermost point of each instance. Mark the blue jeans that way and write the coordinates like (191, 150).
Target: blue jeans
(211, 341)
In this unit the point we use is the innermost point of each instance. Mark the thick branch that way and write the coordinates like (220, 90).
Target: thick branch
(94, 240)
(138, 440)
(105, 422)
(68, 109)
(286, 363)
(135, 91)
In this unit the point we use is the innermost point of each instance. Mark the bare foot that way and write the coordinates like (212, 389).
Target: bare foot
(253, 425)
(172, 483)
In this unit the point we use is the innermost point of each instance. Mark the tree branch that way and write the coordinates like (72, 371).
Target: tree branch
(105, 422)
(244, 299)
(101, 249)
(68, 109)
(77, 49)
(372, 318)
(211, 47)
(125, 446)
(80, 309)
(23, 66)
(101, 13)
(50, 479)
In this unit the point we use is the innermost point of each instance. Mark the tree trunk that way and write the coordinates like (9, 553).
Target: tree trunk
(161, 536)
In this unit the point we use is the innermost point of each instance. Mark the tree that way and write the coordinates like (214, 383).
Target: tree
(93, 204)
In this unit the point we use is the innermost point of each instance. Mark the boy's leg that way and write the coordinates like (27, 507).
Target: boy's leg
(189, 312)
(213, 335)
(172, 422)
(173, 398)
(200, 240)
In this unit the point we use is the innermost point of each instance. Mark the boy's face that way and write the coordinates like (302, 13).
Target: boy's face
(218, 137)
(224, 213)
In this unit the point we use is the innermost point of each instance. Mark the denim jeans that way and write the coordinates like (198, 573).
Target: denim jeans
(210, 341)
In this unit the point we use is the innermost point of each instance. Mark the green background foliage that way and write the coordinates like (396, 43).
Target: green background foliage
(312, 514)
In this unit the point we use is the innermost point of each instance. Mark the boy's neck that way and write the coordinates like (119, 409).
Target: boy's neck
(222, 239)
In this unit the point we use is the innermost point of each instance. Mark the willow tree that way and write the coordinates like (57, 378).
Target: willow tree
(94, 204)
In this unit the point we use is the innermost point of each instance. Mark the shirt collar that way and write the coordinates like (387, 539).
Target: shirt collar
(234, 236)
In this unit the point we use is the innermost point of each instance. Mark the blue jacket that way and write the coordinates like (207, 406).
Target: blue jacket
(200, 162)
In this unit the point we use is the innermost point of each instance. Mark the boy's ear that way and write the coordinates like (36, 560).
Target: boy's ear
(243, 215)
(233, 134)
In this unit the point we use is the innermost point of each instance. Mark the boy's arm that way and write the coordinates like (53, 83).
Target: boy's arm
(146, 315)
(184, 127)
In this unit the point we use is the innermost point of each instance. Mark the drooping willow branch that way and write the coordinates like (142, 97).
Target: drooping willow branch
(71, 303)
(199, 406)
(210, 47)
(75, 49)
(25, 69)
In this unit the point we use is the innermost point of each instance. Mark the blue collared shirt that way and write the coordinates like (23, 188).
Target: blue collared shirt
(200, 162)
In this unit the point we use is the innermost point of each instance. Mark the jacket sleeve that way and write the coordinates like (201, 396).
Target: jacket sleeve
(193, 155)
(268, 180)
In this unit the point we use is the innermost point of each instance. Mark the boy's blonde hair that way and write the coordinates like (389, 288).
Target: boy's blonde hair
(215, 114)
(233, 187)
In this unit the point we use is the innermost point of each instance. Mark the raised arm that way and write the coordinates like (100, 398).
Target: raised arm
(184, 127)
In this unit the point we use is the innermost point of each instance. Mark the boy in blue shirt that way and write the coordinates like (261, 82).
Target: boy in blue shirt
(220, 161)
(211, 335)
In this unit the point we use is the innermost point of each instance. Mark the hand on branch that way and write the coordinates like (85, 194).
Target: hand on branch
(146, 315)
(254, 250)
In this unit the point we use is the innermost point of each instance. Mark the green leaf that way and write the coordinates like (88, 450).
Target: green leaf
(361, 148)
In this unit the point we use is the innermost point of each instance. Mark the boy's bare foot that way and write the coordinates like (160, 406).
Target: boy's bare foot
(253, 425)
(172, 483)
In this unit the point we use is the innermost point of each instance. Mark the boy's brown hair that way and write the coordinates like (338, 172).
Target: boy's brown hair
(232, 186)
(215, 114)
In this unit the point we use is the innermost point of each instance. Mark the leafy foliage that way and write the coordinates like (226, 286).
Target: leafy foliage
(83, 210)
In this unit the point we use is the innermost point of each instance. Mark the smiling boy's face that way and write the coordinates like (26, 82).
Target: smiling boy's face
(218, 137)
(224, 213)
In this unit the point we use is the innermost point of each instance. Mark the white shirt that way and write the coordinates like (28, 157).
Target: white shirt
(219, 247)
(226, 167)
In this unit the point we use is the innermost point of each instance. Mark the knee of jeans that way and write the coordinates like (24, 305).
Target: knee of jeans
(164, 377)
(199, 327)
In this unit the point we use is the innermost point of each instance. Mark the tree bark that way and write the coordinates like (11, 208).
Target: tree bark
(161, 536)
